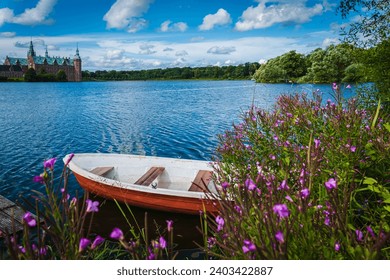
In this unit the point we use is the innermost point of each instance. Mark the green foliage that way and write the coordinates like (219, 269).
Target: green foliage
(61, 76)
(30, 75)
(243, 71)
(306, 180)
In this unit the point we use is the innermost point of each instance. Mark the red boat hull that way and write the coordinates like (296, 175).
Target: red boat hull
(162, 202)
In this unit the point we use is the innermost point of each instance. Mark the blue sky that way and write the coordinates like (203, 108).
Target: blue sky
(143, 34)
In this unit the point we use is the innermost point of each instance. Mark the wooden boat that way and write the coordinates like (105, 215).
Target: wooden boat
(167, 184)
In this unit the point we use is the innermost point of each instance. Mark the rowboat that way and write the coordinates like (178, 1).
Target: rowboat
(166, 184)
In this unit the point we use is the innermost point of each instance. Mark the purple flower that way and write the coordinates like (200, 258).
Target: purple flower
(84, 243)
(92, 206)
(22, 249)
(289, 198)
(49, 163)
(225, 185)
(116, 234)
(250, 184)
(29, 219)
(39, 179)
(279, 237)
(169, 225)
(337, 246)
(68, 158)
(317, 143)
(98, 240)
(220, 222)
(248, 246)
(353, 149)
(331, 184)
(151, 256)
(272, 157)
(359, 235)
(238, 209)
(348, 86)
(305, 193)
(281, 210)
(283, 185)
(369, 229)
(334, 86)
(162, 242)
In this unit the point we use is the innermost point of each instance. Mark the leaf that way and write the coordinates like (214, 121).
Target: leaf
(369, 181)
(387, 208)
(387, 126)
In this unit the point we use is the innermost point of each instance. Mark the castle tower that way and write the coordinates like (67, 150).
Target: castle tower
(77, 66)
(30, 56)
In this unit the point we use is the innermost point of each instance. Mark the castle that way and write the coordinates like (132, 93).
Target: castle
(17, 67)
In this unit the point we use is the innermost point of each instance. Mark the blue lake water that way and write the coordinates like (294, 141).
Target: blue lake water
(179, 119)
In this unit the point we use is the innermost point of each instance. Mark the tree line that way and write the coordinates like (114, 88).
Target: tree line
(242, 71)
(336, 63)
(32, 76)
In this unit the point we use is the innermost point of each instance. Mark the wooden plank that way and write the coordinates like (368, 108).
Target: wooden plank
(102, 171)
(150, 176)
(11, 216)
(201, 181)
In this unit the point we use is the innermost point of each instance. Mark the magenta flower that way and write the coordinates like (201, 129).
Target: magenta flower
(225, 185)
(116, 234)
(68, 158)
(84, 243)
(317, 143)
(331, 184)
(238, 209)
(49, 163)
(279, 237)
(92, 206)
(29, 219)
(39, 179)
(281, 210)
(337, 246)
(348, 86)
(289, 198)
(250, 184)
(359, 235)
(283, 185)
(220, 222)
(22, 249)
(370, 231)
(169, 225)
(353, 149)
(248, 246)
(305, 193)
(162, 242)
(334, 86)
(98, 240)
(151, 256)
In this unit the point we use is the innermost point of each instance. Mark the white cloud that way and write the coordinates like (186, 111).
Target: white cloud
(263, 16)
(178, 26)
(146, 49)
(330, 41)
(33, 16)
(168, 49)
(181, 53)
(7, 34)
(125, 14)
(221, 17)
(221, 50)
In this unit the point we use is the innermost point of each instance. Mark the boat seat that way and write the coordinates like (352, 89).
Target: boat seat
(102, 170)
(201, 181)
(150, 176)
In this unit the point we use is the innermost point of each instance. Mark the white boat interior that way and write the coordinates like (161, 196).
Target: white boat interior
(146, 172)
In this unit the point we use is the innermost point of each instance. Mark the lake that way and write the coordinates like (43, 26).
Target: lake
(179, 119)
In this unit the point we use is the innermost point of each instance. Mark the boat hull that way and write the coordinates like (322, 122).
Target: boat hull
(155, 201)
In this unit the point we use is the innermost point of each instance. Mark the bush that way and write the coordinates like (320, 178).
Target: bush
(307, 180)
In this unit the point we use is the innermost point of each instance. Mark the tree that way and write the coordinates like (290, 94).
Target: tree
(30, 75)
(61, 76)
(373, 23)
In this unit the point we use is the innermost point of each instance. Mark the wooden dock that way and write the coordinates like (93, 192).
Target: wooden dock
(11, 216)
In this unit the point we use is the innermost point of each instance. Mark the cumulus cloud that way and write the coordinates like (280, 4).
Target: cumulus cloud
(126, 14)
(33, 16)
(7, 34)
(146, 49)
(181, 53)
(221, 17)
(263, 16)
(168, 49)
(167, 26)
(221, 50)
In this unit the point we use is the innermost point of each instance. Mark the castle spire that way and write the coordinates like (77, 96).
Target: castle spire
(31, 51)
(77, 55)
(46, 52)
